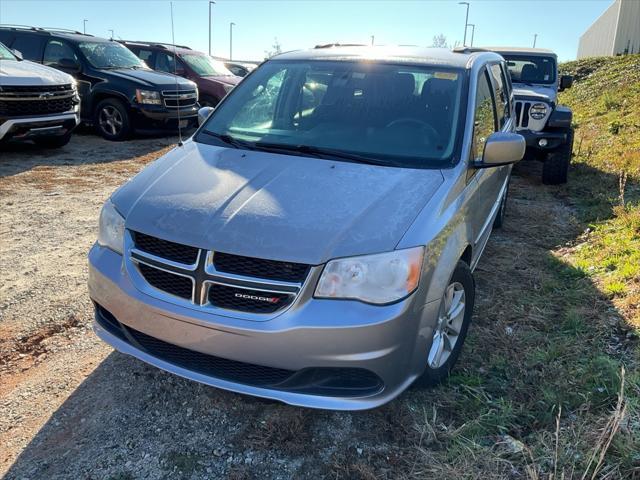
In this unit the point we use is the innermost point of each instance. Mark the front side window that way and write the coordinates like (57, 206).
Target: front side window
(110, 55)
(206, 66)
(398, 115)
(30, 46)
(531, 69)
(500, 93)
(484, 118)
(55, 51)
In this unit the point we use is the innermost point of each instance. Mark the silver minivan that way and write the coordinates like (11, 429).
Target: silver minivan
(314, 241)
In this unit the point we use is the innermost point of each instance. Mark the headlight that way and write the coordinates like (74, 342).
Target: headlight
(381, 278)
(111, 232)
(149, 97)
(538, 111)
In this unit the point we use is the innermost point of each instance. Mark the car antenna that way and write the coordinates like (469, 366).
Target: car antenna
(175, 73)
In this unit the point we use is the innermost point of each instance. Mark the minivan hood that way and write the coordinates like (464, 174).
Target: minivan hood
(274, 206)
(14, 72)
(152, 78)
(543, 93)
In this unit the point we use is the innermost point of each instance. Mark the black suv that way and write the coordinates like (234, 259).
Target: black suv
(119, 93)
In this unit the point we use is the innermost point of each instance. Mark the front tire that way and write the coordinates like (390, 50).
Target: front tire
(502, 209)
(111, 119)
(555, 170)
(454, 318)
(53, 142)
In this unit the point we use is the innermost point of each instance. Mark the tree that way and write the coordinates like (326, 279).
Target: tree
(275, 49)
(440, 41)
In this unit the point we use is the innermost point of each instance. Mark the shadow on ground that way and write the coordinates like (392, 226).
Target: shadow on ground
(543, 337)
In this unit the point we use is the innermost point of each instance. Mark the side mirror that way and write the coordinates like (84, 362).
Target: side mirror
(18, 54)
(565, 82)
(68, 65)
(502, 148)
(203, 114)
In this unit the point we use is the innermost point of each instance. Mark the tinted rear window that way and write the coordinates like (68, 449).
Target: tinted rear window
(30, 46)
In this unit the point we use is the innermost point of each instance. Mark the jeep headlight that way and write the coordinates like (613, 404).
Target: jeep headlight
(111, 231)
(538, 111)
(380, 278)
(148, 97)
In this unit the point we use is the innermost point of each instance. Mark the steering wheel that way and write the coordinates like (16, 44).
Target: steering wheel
(431, 132)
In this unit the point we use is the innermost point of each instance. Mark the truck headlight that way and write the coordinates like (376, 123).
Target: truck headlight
(538, 111)
(380, 278)
(149, 97)
(111, 231)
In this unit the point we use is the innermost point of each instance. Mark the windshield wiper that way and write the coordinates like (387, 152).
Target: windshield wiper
(320, 152)
(231, 141)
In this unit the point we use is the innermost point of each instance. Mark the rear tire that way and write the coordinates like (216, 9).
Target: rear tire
(555, 170)
(111, 119)
(438, 366)
(53, 142)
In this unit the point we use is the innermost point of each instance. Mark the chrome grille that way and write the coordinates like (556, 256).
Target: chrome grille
(212, 280)
(179, 98)
(18, 101)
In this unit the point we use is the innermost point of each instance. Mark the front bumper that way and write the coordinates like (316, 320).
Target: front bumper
(386, 341)
(554, 139)
(30, 127)
(158, 117)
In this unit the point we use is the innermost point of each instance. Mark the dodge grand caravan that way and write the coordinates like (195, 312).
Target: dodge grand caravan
(314, 241)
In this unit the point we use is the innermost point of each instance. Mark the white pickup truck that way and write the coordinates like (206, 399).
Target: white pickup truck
(37, 102)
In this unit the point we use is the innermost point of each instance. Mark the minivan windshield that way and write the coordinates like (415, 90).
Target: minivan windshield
(5, 53)
(389, 114)
(205, 66)
(110, 55)
(531, 69)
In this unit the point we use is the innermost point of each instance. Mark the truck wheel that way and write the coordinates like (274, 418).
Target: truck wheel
(53, 142)
(112, 119)
(556, 166)
(454, 317)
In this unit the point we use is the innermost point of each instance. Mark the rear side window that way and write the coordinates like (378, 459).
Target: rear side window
(55, 51)
(484, 119)
(165, 62)
(144, 55)
(501, 95)
(30, 46)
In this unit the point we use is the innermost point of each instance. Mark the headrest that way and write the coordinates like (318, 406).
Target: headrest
(437, 87)
(529, 72)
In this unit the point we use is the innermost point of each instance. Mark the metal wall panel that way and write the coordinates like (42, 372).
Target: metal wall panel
(600, 37)
(628, 32)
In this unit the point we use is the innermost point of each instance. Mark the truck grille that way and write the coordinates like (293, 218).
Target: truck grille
(179, 98)
(17, 101)
(215, 279)
(522, 114)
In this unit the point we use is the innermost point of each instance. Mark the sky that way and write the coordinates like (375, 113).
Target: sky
(304, 23)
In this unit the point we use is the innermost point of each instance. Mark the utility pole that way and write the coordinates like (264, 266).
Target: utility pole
(84, 26)
(535, 37)
(372, 39)
(231, 40)
(210, 3)
(466, 22)
(473, 31)
(111, 34)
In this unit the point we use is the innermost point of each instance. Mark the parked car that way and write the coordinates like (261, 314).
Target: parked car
(315, 249)
(36, 102)
(212, 77)
(119, 93)
(545, 125)
(240, 69)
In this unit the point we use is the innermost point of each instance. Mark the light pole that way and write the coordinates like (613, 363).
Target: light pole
(535, 37)
(210, 3)
(84, 26)
(231, 40)
(373, 38)
(111, 34)
(466, 22)
(473, 31)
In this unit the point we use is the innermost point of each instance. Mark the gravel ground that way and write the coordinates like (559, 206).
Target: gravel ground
(71, 407)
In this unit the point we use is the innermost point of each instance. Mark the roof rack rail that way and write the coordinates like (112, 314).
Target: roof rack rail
(19, 27)
(330, 45)
(65, 30)
(156, 44)
(468, 49)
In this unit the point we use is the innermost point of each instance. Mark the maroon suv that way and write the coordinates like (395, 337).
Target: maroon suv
(214, 80)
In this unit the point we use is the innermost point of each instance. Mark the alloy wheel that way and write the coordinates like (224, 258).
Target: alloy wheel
(450, 321)
(111, 121)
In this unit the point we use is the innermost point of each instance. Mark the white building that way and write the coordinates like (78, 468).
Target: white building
(615, 32)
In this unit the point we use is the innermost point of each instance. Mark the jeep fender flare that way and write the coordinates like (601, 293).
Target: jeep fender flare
(561, 117)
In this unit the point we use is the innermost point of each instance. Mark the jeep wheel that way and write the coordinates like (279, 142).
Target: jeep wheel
(454, 317)
(53, 142)
(112, 119)
(502, 209)
(556, 166)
